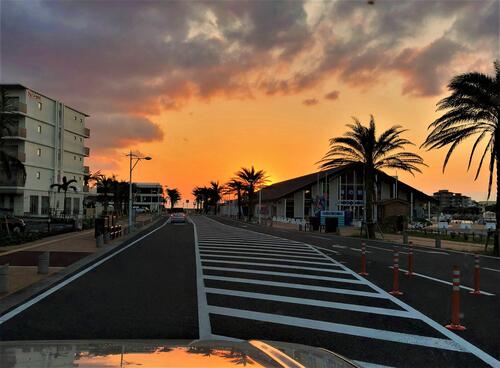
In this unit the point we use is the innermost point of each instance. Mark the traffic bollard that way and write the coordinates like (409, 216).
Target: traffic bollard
(438, 242)
(43, 263)
(476, 290)
(363, 260)
(455, 302)
(409, 272)
(395, 274)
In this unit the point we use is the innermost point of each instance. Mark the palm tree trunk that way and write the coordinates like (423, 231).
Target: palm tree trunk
(370, 225)
(239, 204)
(497, 209)
(250, 204)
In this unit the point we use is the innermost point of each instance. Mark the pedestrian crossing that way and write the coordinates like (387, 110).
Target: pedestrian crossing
(257, 286)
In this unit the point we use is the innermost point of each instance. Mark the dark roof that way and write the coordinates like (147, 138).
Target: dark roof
(284, 188)
(287, 187)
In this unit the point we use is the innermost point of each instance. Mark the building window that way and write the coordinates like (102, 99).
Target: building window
(45, 205)
(289, 210)
(76, 206)
(34, 205)
(75, 137)
(81, 120)
(67, 206)
(39, 106)
(75, 117)
(74, 158)
(38, 175)
(38, 151)
(80, 159)
(81, 139)
(39, 129)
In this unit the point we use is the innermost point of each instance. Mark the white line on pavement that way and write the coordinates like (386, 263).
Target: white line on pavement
(490, 269)
(263, 248)
(242, 242)
(444, 282)
(296, 286)
(204, 327)
(286, 274)
(313, 302)
(432, 342)
(204, 256)
(262, 254)
(370, 365)
(277, 265)
(77, 275)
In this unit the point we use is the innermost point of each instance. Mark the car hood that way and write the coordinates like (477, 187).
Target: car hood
(165, 353)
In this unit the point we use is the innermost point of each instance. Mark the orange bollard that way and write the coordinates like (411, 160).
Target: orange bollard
(476, 290)
(363, 260)
(395, 272)
(410, 259)
(455, 302)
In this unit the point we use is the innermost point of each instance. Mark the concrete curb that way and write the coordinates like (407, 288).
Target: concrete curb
(13, 300)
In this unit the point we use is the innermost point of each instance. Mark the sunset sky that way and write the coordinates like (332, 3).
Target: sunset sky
(208, 87)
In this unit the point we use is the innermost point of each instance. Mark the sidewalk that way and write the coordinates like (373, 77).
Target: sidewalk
(65, 249)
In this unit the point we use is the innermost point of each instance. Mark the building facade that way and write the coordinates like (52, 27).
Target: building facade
(149, 195)
(49, 139)
(447, 199)
(340, 189)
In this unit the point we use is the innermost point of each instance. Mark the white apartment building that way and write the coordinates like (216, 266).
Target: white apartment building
(49, 139)
(149, 195)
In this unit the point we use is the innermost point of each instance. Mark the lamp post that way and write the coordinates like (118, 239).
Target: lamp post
(134, 160)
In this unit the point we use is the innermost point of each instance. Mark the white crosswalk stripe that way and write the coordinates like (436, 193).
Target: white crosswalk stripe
(254, 278)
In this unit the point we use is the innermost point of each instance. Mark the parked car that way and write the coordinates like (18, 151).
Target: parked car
(14, 224)
(178, 217)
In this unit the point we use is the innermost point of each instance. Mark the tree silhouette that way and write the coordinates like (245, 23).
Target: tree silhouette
(65, 185)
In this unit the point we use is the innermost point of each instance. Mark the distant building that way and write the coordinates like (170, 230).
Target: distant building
(49, 139)
(447, 199)
(338, 189)
(148, 195)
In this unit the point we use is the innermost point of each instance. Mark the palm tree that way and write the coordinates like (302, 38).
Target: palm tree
(104, 189)
(361, 146)
(9, 163)
(174, 196)
(235, 186)
(251, 180)
(65, 185)
(198, 197)
(215, 194)
(91, 178)
(473, 109)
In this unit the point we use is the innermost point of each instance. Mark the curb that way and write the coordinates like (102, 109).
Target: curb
(19, 297)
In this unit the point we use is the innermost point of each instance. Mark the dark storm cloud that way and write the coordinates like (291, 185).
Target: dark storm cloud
(142, 57)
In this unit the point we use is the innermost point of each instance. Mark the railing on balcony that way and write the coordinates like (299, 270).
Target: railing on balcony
(86, 132)
(86, 151)
(15, 180)
(16, 133)
(86, 170)
(17, 106)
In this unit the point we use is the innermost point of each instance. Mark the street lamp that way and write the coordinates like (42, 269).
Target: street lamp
(134, 160)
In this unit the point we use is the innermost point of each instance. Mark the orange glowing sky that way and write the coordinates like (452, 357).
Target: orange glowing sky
(208, 87)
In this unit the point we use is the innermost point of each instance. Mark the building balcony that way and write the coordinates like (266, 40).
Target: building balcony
(17, 133)
(21, 156)
(17, 107)
(86, 170)
(15, 180)
(86, 132)
(86, 151)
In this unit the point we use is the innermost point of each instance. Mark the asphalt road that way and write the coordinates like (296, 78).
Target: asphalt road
(146, 291)
(211, 280)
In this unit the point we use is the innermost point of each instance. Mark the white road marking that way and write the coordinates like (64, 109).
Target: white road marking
(370, 365)
(286, 274)
(266, 249)
(14, 312)
(313, 302)
(432, 342)
(490, 269)
(278, 265)
(237, 252)
(328, 250)
(250, 240)
(204, 256)
(204, 327)
(358, 250)
(444, 282)
(338, 246)
(296, 286)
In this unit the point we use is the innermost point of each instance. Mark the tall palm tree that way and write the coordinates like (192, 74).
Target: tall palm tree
(91, 178)
(174, 196)
(360, 145)
(473, 109)
(235, 186)
(104, 189)
(9, 163)
(215, 194)
(252, 179)
(198, 198)
(65, 185)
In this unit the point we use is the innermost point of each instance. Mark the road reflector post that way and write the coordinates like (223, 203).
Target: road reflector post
(455, 302)
(395, 274)
(363, 260)
(4, 278)
(476, 290)
(43, 263)
(410, 259)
